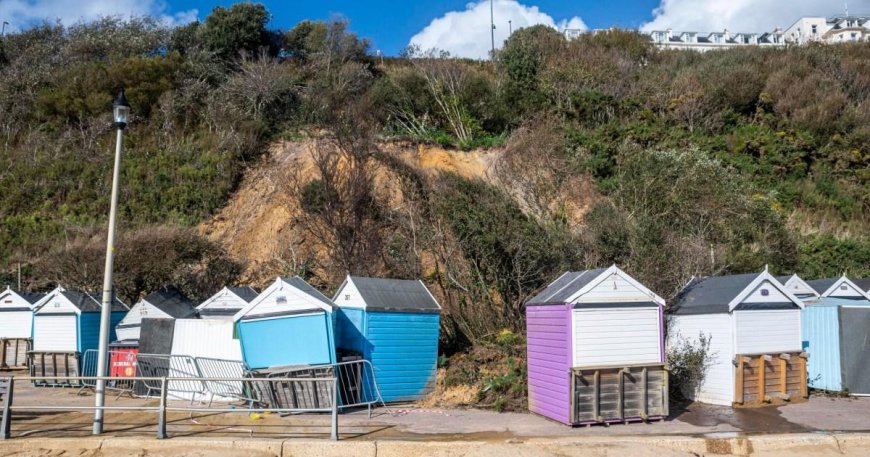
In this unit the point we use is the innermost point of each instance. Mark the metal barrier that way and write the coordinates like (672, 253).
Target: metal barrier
(222, 368)
(164, 384)
(358, 386)
(356, 379)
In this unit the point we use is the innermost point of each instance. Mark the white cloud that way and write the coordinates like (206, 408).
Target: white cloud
(742, 15)
(467, 34)
(23, 13)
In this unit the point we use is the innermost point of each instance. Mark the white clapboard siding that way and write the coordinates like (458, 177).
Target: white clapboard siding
(210, 338)
(223, 300)
(349, 296)
(718, 385)
(614, 289)
(15, 324)
(127, 333)
(143, 310)
(845, 290)
(55, 333)
(285, 300)
(213, 339)
(773, 294)
(615, 336)
(764, 332)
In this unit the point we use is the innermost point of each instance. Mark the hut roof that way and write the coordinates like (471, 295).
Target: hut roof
(394, 294)
(717, 294)
(86, 302)
(822, 285)
(863, 283)
(246, 293)
(560, 290)
(171, 301)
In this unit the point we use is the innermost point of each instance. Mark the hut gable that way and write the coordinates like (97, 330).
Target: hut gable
(841, 287)
(227, 301)
(602, 285)
(798, 287)
(12, 300)
(378, 294)
(286, 296)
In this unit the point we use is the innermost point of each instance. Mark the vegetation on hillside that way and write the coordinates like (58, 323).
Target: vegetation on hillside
(699, 163)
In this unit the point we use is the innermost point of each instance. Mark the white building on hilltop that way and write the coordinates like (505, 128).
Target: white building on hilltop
(836, 29)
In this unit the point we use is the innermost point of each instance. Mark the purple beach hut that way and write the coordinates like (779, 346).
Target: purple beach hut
(596, 350)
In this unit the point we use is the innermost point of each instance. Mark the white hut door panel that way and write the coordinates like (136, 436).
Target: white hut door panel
(616, 336)
(55, 333)
(768, 331)
(15, 324)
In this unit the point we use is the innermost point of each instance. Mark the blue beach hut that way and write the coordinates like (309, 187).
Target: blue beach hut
(288, 324)
(65, 326)
(394, 324)
(835, 326)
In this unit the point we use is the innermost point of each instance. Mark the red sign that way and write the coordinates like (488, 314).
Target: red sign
(123, 362)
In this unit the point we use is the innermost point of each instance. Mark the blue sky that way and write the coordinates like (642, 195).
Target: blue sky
(458, 26)
(391, 24)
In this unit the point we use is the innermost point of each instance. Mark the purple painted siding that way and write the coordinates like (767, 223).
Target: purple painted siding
(549, 361)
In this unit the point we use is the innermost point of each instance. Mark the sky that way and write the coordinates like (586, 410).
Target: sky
(459, 27)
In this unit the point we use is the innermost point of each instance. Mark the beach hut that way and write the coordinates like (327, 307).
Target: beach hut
(798, 287)
(841, 287)
(754, 328)
(65, 325)
(288, 324)
(835, 333)
(164, 303)
(16, 323)
(226, 303)
(394, 324)
(595, 349)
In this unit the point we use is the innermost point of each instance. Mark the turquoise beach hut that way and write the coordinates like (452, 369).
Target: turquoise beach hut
(288, 324)
(394, 324)
(835, 327)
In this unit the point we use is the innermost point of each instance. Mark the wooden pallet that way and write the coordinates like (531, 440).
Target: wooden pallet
(619, 394)
(763, 379)
(13, 353)
(45, 367)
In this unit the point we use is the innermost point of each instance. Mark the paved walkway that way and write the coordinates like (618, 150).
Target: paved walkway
(818, 426)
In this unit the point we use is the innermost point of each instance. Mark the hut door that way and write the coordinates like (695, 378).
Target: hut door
(55, 333)
(616, 336)
(855, 349)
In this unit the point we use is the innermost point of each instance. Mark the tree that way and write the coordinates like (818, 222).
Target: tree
(521, 61)
(240, 28)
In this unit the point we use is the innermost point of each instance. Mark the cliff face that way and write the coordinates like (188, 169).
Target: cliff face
(261, 224)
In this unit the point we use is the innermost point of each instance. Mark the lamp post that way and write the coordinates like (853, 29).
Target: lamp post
(120, 111)
(492, 28)
(3, 30)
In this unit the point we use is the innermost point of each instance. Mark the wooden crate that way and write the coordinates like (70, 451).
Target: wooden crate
(14, 353)
(763, 379)
(46, 366)
(619, 394)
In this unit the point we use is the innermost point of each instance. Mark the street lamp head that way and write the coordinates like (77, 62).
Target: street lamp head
(121, 110)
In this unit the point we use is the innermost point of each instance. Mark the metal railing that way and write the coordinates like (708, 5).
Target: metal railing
(165, 382)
